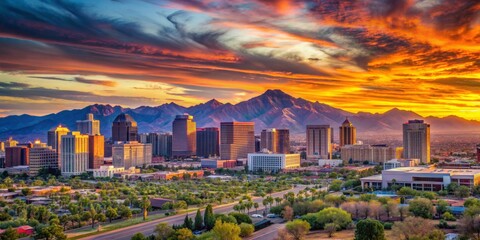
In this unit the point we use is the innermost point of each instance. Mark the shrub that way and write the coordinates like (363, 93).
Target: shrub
(387, 225)
(328, 215)
(241, 217)
(448, 217)
(246, 229)
(369, 229)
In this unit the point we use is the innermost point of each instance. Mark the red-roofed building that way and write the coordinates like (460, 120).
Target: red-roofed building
(25, 229)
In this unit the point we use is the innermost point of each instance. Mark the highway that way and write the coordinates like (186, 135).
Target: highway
(147, 228)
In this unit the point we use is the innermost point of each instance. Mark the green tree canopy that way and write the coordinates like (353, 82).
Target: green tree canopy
(369, 229)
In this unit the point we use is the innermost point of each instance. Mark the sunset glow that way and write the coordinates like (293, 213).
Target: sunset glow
(368, 55)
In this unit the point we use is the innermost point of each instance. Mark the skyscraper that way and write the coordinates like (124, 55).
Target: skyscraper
(237, 140)
(184, 136)
(416, 140)
(89, 126)
(96, 147)
(131, 154)
(124, 128)
(10, 142)
(161, 143)
(74, 154)
(208, 142)
(478, 152)
(348, 133)
(17, 156)
(275, 140)
(319, 141)
(42, 156)
(54, 137)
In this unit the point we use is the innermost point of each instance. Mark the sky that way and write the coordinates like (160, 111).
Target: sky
(359, 55)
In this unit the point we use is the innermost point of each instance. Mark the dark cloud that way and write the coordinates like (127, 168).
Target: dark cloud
(468, 84)
(9, 85)
(96, 82)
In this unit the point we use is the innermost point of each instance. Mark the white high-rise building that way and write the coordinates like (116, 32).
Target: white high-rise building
(319, 143)
(416, 140)
(131, 154)
(74, 154)
(89, 126)
(272, 162)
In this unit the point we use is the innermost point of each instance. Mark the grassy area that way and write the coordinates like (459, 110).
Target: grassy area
(81, 233)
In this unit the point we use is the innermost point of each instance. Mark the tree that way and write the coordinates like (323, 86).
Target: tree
(145, 204)
(331, 228)
(9, 234)
(125, 212)
(246, 229)
(369, 229)
(421, 207)
(336, 185)
(413, 228)
(390, 208)
(442, 207)
(209, 218)
(164, 231)
(184, 234)
(283, 234)
(226, 231)
(462, 192)
(180, 205)
(241, 217)
(288, 213)
(298, 228)
(187, 222)
(256, 205)
(470, 226)
(471, 201)
(26, 191)
(138, 236)
(328, 215)
(198, 221)
(111, 213)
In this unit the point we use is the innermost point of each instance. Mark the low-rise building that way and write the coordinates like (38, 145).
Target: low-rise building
(272, 162)
(371, 153)
(329, 162)
(217, 163)
(422, 178)
(109, 171)
(396, 163)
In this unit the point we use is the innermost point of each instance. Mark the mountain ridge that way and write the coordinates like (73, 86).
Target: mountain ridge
(273, 108)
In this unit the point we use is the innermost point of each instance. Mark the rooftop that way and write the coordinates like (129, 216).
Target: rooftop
(434, 170)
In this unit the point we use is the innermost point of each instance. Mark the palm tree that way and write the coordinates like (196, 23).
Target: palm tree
(256, 205)
(145, 204)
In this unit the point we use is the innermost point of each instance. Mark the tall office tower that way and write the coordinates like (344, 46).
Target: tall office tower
(10, 142)
(208, 140)
(74, 154)
(2, 147)
(55, 136)
(17, 156)
(142, 137)
(96, 151)
(124, 128)
(416, 140)
(275, 140)
(161, 143)
(184, 136)
(89, 126)
(348, 133)
(237, 140)
(42, 156)
(478, 152)
(131, 154)
(258, 143)
(319, 142)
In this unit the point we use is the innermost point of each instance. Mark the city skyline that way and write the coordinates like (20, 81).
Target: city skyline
(69, 54)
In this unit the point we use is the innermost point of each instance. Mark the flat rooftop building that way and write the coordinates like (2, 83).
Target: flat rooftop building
(423, 178)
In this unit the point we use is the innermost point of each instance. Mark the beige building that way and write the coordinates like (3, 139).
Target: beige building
(275, 140)
(89, 126)
(131, 154)
(272, 162)
(42, 156)
(348, 133)
(109, 171)
(55, 137)
(416, 140)
(184, 136)
(319, 143)
(74, 154)
(237, 140)
(371, 153)
(96, 151)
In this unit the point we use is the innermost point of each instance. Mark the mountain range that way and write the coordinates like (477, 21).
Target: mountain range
(272, 109)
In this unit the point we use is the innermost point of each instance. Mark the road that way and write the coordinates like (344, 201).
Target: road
(147, 228)
(269, 233)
